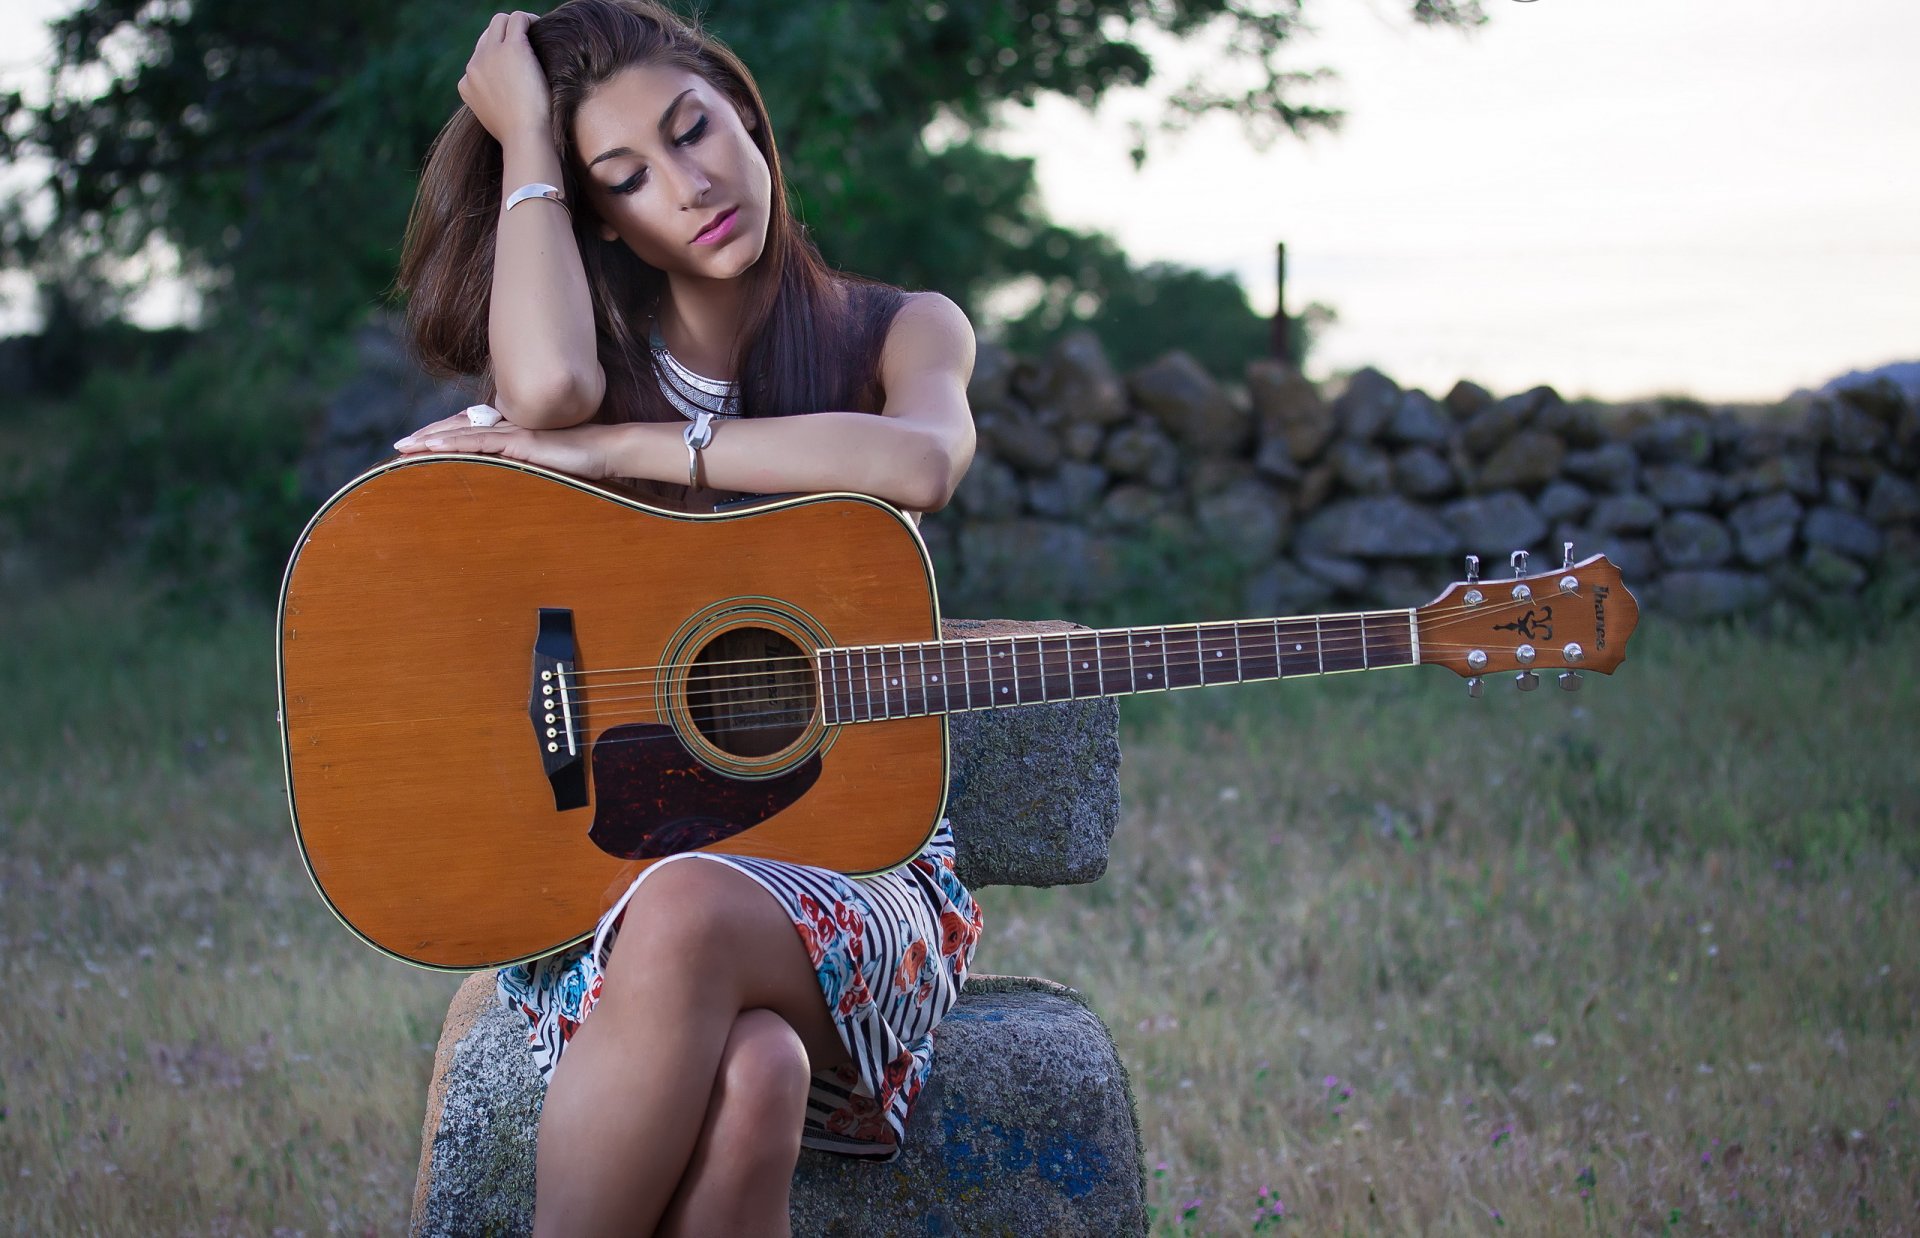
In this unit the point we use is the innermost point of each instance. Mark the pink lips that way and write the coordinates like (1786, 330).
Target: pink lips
(719, 229)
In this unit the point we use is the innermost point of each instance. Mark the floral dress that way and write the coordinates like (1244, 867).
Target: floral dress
(890, 953)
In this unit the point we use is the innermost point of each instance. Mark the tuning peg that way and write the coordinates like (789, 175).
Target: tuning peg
(1570, 681)
(1473, 568)
(1473, 688)
(1518, 559)
(1566, 556)
(1526, 681)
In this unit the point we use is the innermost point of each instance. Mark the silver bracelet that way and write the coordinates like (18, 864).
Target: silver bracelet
(697, 435)
(535, 190)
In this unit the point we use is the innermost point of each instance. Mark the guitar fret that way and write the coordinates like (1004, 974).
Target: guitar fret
(1166, 679)
(924, 709)
(1133, 675)
(1040, 652)
(1319, 645)
(1363, 643)
(1004, 694)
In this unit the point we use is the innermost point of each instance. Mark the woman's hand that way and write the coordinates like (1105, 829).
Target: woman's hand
(504, 84)
(582, 451)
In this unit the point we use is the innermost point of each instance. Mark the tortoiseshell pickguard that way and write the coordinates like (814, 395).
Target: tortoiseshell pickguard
(652, 798)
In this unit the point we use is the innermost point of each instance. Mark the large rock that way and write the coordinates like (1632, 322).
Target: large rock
(1025, 1126)
(1624, 513)
(1420, 473)
(1289, 409)
(1893, 500)
(1494, 525)
(1681, 485)
(1386, 527)
(1361, 467)
(1847, 426)
(1765, 527)
(1795, 472)
(1843, 532)
(1563, 500)
(1082, 382)
(1678, 438)
(1368, 403)
(1014, 434)
(1178, 393)
(1247, 521)
(1418, 421)
(1693, 540)
(1034, 793)
(1530, 458)
(1612, 467)
(1141, 449)
(1465, 399)
(1495, 424)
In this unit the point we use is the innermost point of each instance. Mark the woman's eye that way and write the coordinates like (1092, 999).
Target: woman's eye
(630, 184)
(692, 135)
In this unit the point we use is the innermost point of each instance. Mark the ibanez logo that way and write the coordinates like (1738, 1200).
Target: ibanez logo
(1600, 616)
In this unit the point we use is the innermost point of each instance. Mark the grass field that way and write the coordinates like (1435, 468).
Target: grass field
(1379, 959)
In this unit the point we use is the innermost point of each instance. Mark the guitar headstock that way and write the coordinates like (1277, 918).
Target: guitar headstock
(1575, 619)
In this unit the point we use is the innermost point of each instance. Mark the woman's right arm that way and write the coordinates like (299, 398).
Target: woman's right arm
(540, 318)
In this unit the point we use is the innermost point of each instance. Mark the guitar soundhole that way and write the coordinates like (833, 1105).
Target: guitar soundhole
(750, 692)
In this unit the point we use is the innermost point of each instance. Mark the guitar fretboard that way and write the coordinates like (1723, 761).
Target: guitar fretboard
(866, 683)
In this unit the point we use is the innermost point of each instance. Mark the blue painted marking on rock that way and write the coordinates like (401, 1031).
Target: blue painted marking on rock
(978, 1151)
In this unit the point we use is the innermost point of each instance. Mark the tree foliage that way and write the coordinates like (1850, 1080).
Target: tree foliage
(275, 146)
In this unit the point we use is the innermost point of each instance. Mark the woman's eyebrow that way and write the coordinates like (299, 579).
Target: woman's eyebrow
(666, 124)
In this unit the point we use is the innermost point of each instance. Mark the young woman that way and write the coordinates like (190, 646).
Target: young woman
(602, 236)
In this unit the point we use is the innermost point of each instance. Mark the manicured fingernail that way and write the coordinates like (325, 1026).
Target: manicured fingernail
(403, 444)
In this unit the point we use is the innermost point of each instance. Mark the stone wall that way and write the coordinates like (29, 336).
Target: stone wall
(1093, 487)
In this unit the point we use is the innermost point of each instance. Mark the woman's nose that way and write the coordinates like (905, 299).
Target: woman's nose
(691, 185)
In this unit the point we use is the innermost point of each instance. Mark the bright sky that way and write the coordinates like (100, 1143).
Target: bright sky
(1615, 197)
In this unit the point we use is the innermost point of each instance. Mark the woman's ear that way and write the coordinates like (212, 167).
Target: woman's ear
(607, 233)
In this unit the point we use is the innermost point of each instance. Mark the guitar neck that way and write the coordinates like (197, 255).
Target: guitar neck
(868, 683)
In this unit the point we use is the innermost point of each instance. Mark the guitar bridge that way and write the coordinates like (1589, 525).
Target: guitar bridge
(556, 709)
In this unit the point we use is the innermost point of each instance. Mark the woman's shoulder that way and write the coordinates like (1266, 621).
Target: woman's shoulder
(928, 326)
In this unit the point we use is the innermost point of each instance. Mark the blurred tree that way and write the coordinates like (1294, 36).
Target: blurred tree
(275, 146)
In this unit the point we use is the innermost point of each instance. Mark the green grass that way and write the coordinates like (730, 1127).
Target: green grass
(1640, 960)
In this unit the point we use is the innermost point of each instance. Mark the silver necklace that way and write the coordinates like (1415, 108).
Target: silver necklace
(691, 393)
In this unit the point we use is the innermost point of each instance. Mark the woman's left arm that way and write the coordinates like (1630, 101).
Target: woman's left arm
(913, 455)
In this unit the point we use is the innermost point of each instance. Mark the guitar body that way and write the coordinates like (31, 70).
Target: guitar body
(447, 823)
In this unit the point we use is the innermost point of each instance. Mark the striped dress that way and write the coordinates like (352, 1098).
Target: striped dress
(890, 954)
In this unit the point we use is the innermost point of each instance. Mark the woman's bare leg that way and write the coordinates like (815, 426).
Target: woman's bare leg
(741, 1174)
(700, 943)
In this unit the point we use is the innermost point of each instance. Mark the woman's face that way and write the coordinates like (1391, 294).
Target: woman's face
(673, 173)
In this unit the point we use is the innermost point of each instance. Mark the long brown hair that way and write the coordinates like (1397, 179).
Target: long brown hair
(812, 335)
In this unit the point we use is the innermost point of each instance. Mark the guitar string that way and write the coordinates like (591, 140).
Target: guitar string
(1183, 657)
(1434, 620)
(1174, 652)
(1020, 683)
(790, 706)
(791, 720)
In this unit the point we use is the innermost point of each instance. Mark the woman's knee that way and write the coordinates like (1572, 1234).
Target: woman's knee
(682, 919)
(760, 1095)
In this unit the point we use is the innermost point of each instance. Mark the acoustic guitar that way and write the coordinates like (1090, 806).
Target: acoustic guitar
(505, 691)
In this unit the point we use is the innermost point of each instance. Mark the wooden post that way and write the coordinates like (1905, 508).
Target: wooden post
(1282, 329)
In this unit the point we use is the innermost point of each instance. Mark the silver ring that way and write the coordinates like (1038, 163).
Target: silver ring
(483, 415)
